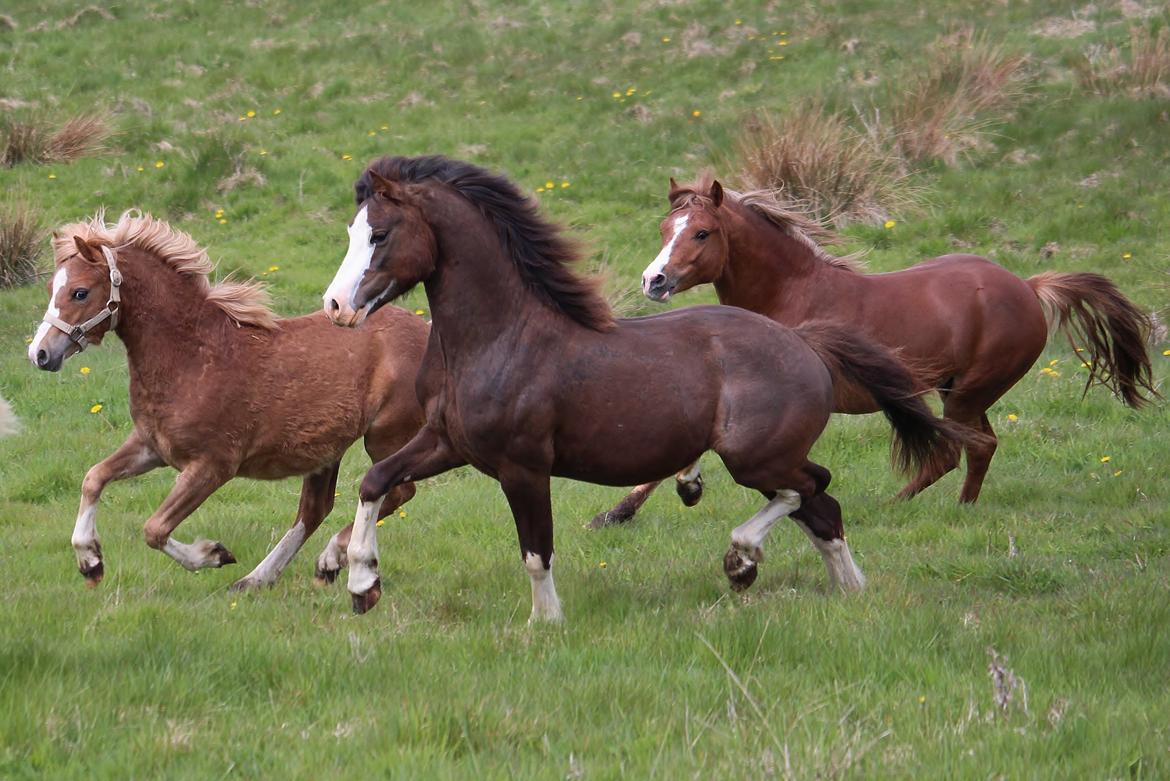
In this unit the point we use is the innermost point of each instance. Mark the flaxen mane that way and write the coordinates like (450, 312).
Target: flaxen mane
(538, 248)
(786, 216)
(244, 302)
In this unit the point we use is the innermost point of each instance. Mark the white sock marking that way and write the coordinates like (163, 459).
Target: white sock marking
(663, 258)
(355, 264)
(546, 606)
(85, 537)
(334, 557)
(688, 475)
(749, 536)
(363, 548)
(60, 279)
(268, 570)
(193, 556)
(838, 561)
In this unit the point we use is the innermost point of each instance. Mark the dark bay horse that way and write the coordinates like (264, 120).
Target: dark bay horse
(221, 388)
(969, 327)
(528, 375)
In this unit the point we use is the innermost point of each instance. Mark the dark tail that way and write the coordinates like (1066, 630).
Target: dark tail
(919, 436)
(1089, 309)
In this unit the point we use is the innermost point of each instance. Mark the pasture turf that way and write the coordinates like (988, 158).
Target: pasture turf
(659, 671)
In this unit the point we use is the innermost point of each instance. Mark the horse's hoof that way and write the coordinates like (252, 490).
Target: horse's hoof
(690, 491)
(363, 603)
(220, 556)
(614, 517)
(247, 584)
(740, 571)
(93, 574)
(325, 577)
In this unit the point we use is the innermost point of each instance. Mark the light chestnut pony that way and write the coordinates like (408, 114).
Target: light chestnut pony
(222, 388)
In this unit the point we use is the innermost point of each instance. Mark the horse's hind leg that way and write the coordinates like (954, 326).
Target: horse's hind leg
(317, 492)
(820, 519)
(625, 509)
(333, 559)
(979, 455)
(193, 485)
(741, 561)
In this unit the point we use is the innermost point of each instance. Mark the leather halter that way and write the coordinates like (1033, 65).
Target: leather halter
(76, 333)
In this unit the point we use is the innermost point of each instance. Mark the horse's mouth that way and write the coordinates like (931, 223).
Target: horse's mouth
(660, 293)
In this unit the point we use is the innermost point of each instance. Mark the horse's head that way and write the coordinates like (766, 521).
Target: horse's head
(694, 245)
(391, 249)
(83, 305)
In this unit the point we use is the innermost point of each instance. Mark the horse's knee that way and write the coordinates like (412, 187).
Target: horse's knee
(156, 536)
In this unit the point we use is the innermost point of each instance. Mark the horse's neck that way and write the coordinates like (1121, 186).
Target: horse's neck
(774, 274)
(475, 293)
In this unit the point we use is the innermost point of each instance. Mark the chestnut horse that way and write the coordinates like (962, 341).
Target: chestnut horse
(528, 375)
(969, 327)
(220, 388)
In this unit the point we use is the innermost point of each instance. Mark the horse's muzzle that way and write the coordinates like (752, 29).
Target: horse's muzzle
(658, 287)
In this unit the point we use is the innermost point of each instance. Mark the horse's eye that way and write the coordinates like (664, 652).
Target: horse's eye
(80, 294)
(702, 235)
(378, 238)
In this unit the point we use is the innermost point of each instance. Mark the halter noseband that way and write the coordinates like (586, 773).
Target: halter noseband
(76, 333)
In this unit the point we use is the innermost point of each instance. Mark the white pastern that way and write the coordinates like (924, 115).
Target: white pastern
(838, 561)
(60, 279)
(356, 263)
(85, 537)
(660, 262)
(334, 557)
(363, 548)
(267, 571)
(749, 537)
(194, 556)
(546, 606)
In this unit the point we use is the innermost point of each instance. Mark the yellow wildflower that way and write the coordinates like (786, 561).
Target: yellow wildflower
(84, 370)
(1054, 361)
(232, 606)
(385, 127)
(276, 112)
(274, 268)
(159, 163)
(564, 184)
(347, 157)
(263, 152)
(95, 409)
(381, 522)
(141, 169)
(696, 113)
(616, 95)
(52, 176)
(540, 189)
(739, 21)
(1166, 352)
(420, 311)
(1106, 459)
(921, 699)
(251, 113)
(630, 91)
(222, 221)
(602, 564)
(550, 184)
(666, 39)
(1118, 473)
(1013, 417)
(372, 133)
(889, 224)
(402, 513)
(1126, 255)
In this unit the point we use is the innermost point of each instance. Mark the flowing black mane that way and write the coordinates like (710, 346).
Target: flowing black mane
(539, 249)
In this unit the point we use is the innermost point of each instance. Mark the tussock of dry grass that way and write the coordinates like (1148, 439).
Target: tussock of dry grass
(21, 240)
(946, 109)
(817, 161)
(37, 142)
(1145, 72)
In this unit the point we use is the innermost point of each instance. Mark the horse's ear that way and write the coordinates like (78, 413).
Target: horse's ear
(90, 252)
(716, 194)
(674, 192)
(387, 188)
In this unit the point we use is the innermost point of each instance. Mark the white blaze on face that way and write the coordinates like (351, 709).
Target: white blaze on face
(660, 262)
(60, 279)
(356, 262)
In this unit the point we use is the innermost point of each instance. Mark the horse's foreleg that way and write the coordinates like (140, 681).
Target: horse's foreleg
(333, 559)
(426, 455)
(625, 509)
(820, 519)
(193, 485)
(528, 496)
(688, 484)
(134, 457)
(741, 561)
(317, 492)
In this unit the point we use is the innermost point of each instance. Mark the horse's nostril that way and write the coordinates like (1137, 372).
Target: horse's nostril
(658, 280)
(42, 358)
(333, 305)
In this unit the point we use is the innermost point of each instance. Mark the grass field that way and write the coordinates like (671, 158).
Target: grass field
(267, 111)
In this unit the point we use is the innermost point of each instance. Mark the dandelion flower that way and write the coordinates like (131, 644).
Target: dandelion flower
(84, 370)
(889, 224)
(381, 522)
(630, 91)
(540, 189)
(159, 164)
(420, 311)
(222, 221)
(95, 409)
(1106, 459)
(347, 157)
(251, 113)
(276, 112)
(696, 113)
(602, 564)
(1013, 417)
(274, 268)
(781, 43)
(739, 21)
(1054, 361)
(372, 133)
(141, 169)
(385, 127)
(550, 184)
(232, 606)
(1166, 352)
(1118, 473)
(921, 699)
(564, 184)
(616, 95)
(402, 513)
(52, 176)
(1126, 255)
(666, 39)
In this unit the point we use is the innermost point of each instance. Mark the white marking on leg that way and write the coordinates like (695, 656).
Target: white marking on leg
(268, 570)
(363, 548)
(197, 555)
(355, 264)
(85, 537)
(333, 558)
(838, 561)
(60, 279)
(749, 536)
(546, 606)
(663, 258)
(688, 475)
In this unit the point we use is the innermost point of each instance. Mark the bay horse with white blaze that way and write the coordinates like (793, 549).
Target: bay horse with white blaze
(528, 375)
(222, 388)
(969, 327)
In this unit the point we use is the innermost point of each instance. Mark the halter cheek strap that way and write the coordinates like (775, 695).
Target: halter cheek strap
(77, 333)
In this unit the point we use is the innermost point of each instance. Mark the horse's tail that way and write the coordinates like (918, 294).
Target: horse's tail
(8, 422)
(920, 438)
(1089, 309)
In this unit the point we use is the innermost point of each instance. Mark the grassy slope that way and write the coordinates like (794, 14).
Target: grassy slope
(659, 671)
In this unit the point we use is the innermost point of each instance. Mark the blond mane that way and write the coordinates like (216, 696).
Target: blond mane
(245, 302)
(793, 221)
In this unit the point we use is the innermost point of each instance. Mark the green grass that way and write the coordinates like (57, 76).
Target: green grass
(659, 671)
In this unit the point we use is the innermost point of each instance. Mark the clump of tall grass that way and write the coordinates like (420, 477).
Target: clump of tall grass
(22, 237)
(1144, 72)
(814, 159)
(964, 88)
(38, 142)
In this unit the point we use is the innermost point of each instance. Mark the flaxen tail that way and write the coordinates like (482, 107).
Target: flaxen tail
(919, 436)
(1091, 311)
(8, 421)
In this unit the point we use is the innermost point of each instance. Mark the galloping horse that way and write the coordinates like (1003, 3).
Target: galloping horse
(969, 327)
(220, 388)
(527, 375)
